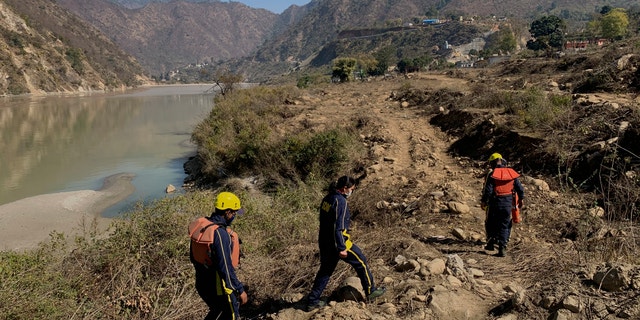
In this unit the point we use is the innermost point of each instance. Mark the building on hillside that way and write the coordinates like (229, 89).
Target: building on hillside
(465, 64)
(578, 45)
(430, 21)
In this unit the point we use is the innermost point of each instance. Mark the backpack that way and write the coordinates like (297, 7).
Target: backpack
(201, 232)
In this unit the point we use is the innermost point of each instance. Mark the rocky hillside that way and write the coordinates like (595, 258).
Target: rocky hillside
(165, 36)
(417, 213)
(44, 48)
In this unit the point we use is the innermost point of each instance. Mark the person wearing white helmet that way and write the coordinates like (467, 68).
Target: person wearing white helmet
(500, 188)
(215, 253)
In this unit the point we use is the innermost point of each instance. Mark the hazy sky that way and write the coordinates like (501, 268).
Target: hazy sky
(276, 6)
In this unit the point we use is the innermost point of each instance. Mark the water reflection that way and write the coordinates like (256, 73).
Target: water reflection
(54, 144)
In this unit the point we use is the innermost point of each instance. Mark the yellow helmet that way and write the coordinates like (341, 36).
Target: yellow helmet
(227, 200)
(495, 156)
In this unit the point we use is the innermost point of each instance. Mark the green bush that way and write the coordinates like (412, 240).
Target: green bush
(238, 137)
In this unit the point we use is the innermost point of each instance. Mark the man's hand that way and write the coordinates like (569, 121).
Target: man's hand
(520, 204)
(483, 205)
(342, 254)
(243, 298)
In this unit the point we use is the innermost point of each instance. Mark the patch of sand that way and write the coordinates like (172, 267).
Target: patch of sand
(27, 222)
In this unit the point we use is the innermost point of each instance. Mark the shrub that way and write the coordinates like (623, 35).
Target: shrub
(238, 137)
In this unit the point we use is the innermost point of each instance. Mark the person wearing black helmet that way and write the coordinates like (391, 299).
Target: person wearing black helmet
(497, 201)
(335, 244)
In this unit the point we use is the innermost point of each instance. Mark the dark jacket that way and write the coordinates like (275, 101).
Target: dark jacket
(334, 223)
(220, 278)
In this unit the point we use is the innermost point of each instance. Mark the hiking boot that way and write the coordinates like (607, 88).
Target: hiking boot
(376, 293)
(489, 247)
(317, 305)
(502, 251)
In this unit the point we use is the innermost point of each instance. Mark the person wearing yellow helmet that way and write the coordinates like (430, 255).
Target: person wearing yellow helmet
(494, 156)
(500, 188)
(216, 280)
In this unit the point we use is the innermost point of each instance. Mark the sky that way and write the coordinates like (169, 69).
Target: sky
(276, 6)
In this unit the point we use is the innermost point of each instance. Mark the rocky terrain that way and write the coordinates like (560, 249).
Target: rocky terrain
(45, 49)
(418, 220)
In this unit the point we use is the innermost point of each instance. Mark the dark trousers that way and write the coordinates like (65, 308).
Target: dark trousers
(329, 260)
(498, 224)
(224, 307)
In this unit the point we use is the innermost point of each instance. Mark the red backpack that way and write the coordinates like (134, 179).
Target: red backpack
(202, 231)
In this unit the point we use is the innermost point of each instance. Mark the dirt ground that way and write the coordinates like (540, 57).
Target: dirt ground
(428, 204)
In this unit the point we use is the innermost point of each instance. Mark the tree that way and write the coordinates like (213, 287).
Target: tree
(226, 80)
(501, 41)
(343, 69)
(384, 57)
(614, 24)
(548, 33)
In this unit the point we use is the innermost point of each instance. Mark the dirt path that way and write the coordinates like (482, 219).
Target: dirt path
(410, 163)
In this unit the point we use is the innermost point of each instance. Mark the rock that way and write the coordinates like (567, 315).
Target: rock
(624, 125)
(459, 233)
(476, 273)
(437, 194)
(547, 302)
(572, 304)
(408, 265)
(541, 184)
(292, 297)
(375, 168)
(447, 304)
(561, 314)
(458, 208)
(351, 290)
(454, 281)
(599, 308)
(389, 308)
(382, 205)
(388, 280)
(456, 265)
(436, 266)
(170, 189)
(612, 277)
(623, 62)
(596, 212)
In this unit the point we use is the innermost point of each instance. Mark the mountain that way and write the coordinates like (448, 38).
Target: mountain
(165, 36)
(44, 48)
(328, 17)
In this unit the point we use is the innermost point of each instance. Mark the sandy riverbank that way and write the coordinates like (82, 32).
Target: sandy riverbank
(27, 222)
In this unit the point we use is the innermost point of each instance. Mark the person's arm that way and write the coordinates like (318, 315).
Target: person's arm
(487, 191)
(340, 207)
(517, 186)
(221, 248)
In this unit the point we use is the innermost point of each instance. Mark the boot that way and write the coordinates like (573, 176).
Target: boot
(502, 251)
(490, 245)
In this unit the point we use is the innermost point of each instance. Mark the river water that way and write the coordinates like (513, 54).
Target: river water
(54, 144)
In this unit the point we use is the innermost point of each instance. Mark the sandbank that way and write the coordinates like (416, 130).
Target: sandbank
(27, 222)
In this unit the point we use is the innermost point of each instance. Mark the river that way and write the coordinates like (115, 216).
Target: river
(67, 143)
